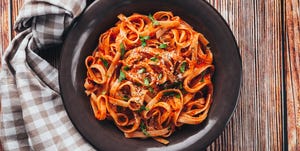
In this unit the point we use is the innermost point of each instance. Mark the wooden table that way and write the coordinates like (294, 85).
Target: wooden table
(268, 34)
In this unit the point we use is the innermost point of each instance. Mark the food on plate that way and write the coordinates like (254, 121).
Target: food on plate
(150, 74)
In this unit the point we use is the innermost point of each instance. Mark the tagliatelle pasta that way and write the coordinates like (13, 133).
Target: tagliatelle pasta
(150, 75)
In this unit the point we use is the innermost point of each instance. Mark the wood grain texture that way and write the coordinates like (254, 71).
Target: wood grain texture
(257, 121)
(9, 12)
(16, 6)
(292, 71)
(4, 26)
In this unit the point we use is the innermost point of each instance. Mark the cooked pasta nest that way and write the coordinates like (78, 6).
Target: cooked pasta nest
(150, 74)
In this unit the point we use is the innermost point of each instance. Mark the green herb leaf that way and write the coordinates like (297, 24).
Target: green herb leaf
(105, 63)
(125, 98)
(143, 40)
(202, 76)
(151, 89)
(144, 44)
(146, 82)
(144, 129)
(180, 86)
(168, 93)
(143, 108)
(175, 85)
(145, 132)
(138, 84)
(154, 59)
(154, 22)
(126, 68)
(162, 46)
(171, 94)
(182, 67)
(177, 96)
(121, 76)
(122, 47)
(142, 70)
(145, 37)
(160, 76)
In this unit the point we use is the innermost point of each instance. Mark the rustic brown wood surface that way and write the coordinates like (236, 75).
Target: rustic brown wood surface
(292, 71)
(267, 116)
(257, 123)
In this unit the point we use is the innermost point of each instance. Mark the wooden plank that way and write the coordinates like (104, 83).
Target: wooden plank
(292, 70)
(4, 26)
(16, 6)
(257, 122)
(9, 12)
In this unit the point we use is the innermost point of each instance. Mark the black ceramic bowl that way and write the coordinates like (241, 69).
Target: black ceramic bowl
(102, 15)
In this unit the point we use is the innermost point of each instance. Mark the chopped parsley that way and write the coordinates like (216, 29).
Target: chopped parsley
(142, 70)
(126, 68)
(160, 76)
(172, 93)
(151, 89)
(144, 129)
(121, 76)
(162, 46)
(174, 85)
(146, 82)
(144, 39)
(154, 21)
(202, 76)
(177, 96)
(143, 108)
(154, 59)
(179, 85)
(138, 84)
(105, 63)
(122, 47)
(182, 67)
(144, 44)
(125, 98)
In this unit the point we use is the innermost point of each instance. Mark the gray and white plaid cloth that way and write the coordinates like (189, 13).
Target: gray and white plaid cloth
(33, 116)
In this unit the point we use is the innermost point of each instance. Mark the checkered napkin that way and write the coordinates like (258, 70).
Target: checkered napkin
(33, 116)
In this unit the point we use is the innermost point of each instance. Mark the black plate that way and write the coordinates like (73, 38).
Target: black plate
(100, 16)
